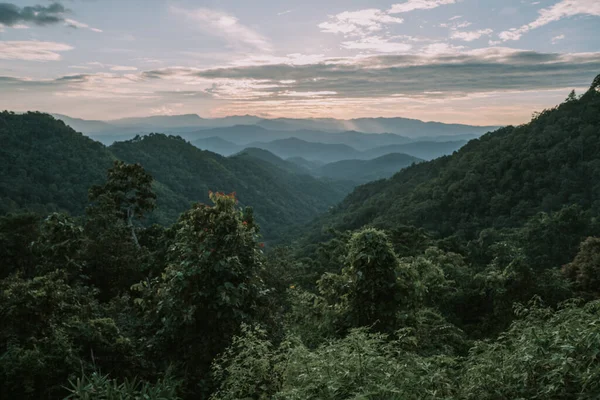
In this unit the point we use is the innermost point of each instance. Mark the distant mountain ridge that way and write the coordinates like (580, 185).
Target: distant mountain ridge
(183, 123)
(325, 153)
(363, 171)
(397, 125)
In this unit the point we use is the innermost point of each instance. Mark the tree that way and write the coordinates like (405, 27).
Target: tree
(210, 287)
(550, 240)
(584, 270)
(17, 232)
(374, 286)
(59, 246)
(113, 254)
(51, 329)
(127, 191)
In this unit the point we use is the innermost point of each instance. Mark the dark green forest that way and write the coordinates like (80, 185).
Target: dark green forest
(474, 276)
(48, 167)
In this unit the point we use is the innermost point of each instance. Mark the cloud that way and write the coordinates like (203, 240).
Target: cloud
(307, 94)
(471, 35)
(123, 68)
(32, 50)
(358, 23)
(167, 109)
(437, 82)
(456, 25)
(11, 14)
(555, 39)
(438, 71)
(378, 44)
(435, 49)
(284, 12)
(412, 5)
(560, 10)
(224, 25)
(71, 23)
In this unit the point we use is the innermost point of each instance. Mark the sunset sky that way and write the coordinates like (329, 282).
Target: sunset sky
(486, 62)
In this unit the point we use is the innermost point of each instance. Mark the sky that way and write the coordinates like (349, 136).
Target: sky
(480, 62)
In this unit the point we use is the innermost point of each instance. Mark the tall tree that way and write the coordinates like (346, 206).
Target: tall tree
(127, 191)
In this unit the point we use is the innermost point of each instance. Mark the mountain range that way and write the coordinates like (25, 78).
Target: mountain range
(46, 166)
(321, 140)
(329, 152)
(411, 128)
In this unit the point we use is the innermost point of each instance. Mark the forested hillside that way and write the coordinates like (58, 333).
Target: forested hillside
(471, 277)
(45, 165)
(362, 171)
(498, 180)
(48, 167)
(281, 198)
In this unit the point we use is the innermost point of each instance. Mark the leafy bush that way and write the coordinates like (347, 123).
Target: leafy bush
(102, 387)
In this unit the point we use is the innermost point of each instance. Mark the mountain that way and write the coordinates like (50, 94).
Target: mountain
(217, 145)
(269, 157)
(244, 135)
(294, 124)
(304, 163)
(46, 165)
(423, 150)
(83, 125)
(280, 198)
(415, 128)
(356, 130)
(328, 153)
(498, 181)
(159, 121)
(294, 147)
(362, 171)
(241, 135)
(402, 126)
(231, 121)
(186, 120)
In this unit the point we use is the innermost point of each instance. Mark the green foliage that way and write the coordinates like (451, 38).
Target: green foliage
(17, 232)
(544, 355)
(374, 287)
(584, 270)
(102, 387)
(49, 330)
(281, 198)
(362, 366)
(551, 240)
(59, 246)
(46, 166)
(210, 286)
(113, 253)
(195, 310)
(246, 368)
(128, 189)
